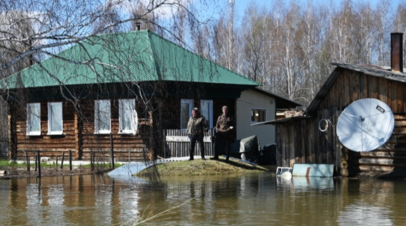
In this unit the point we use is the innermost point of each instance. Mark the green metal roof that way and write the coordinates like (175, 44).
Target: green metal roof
(136, 56)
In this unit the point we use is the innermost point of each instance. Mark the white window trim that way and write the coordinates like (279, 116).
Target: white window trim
(29, 132)
(252, 122)
(49, 119)
(191, 105)
(210, 113)
(134, 118)
(96, 131)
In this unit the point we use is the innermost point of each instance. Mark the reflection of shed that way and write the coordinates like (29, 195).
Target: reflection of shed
(301, 141)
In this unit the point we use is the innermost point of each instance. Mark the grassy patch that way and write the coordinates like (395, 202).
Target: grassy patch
(201, 167)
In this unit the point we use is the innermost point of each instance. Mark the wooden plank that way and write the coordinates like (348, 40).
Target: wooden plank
(403, 98)
(399, 98)
(392, 99)
(355, 86)
(399, 117)
(400, 123)
(291, 157)
(347, 98)
(302, 145)
(362, 85)
(382, 154)
(366, 168)
(383, 94)
(366, 85)
(382, 161)
(285, 143)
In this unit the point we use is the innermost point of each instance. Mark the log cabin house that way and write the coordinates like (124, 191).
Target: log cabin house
(114, 92)
(300, 139)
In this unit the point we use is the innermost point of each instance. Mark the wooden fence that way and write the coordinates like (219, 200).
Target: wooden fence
(177, 144)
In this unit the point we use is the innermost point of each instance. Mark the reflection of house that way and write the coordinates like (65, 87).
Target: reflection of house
(301, 141)
(116, 91)
(256, 106)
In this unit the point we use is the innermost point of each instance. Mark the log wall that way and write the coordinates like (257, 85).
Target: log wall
(303, 142)
(79, 137)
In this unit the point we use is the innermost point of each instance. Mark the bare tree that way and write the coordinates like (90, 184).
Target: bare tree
(110, 16)
(13, 42)
(76, 27)
(64, 23)
(290, 47)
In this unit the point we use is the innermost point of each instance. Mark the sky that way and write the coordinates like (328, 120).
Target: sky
(241, 5)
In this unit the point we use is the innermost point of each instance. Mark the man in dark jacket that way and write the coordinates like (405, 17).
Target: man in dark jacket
(196, 127)
(224, 133)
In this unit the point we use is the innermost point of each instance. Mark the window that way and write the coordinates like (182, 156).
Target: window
(185, 112)
(34, 119)
(55, 123)
(206, 107)
(102, 116)
(128, 120)
(258, 115)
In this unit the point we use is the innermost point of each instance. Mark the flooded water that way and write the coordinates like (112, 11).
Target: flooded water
(251, 199)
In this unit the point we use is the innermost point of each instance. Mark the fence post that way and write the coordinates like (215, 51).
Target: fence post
(28, 162)
(91, 160)
(164, 142)
(35, 160)
(56, 165)
(111, 151)
(63, 157)
(70, 160)
(39, 164)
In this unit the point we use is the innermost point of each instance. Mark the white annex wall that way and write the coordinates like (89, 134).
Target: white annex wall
(252, 99)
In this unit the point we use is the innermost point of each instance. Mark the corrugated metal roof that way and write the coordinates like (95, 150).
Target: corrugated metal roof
(281, 101)
(366, 69)
(135, 56)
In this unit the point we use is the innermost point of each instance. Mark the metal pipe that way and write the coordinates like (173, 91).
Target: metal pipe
(397, 51)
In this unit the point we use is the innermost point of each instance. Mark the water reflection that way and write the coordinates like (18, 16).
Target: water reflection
(361, 214)
(213, 200)
(306, 183)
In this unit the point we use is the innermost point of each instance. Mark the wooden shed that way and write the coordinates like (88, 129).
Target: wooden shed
(114, 92)
(306, 139)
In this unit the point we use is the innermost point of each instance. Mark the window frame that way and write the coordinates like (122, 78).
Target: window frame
(254, 122)
(191, 106)
(96, 116)
(134, 117)
(210, 116)
(50, 118)
(31, 114)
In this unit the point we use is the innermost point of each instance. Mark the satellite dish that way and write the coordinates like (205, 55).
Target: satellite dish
(365, 125)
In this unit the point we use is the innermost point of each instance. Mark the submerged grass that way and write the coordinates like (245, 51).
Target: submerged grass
(8, 163)
(201, 167)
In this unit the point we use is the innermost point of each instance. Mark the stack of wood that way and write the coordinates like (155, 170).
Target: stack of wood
(289, 114)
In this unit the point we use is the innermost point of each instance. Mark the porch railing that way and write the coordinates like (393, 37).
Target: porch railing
(177, 143)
